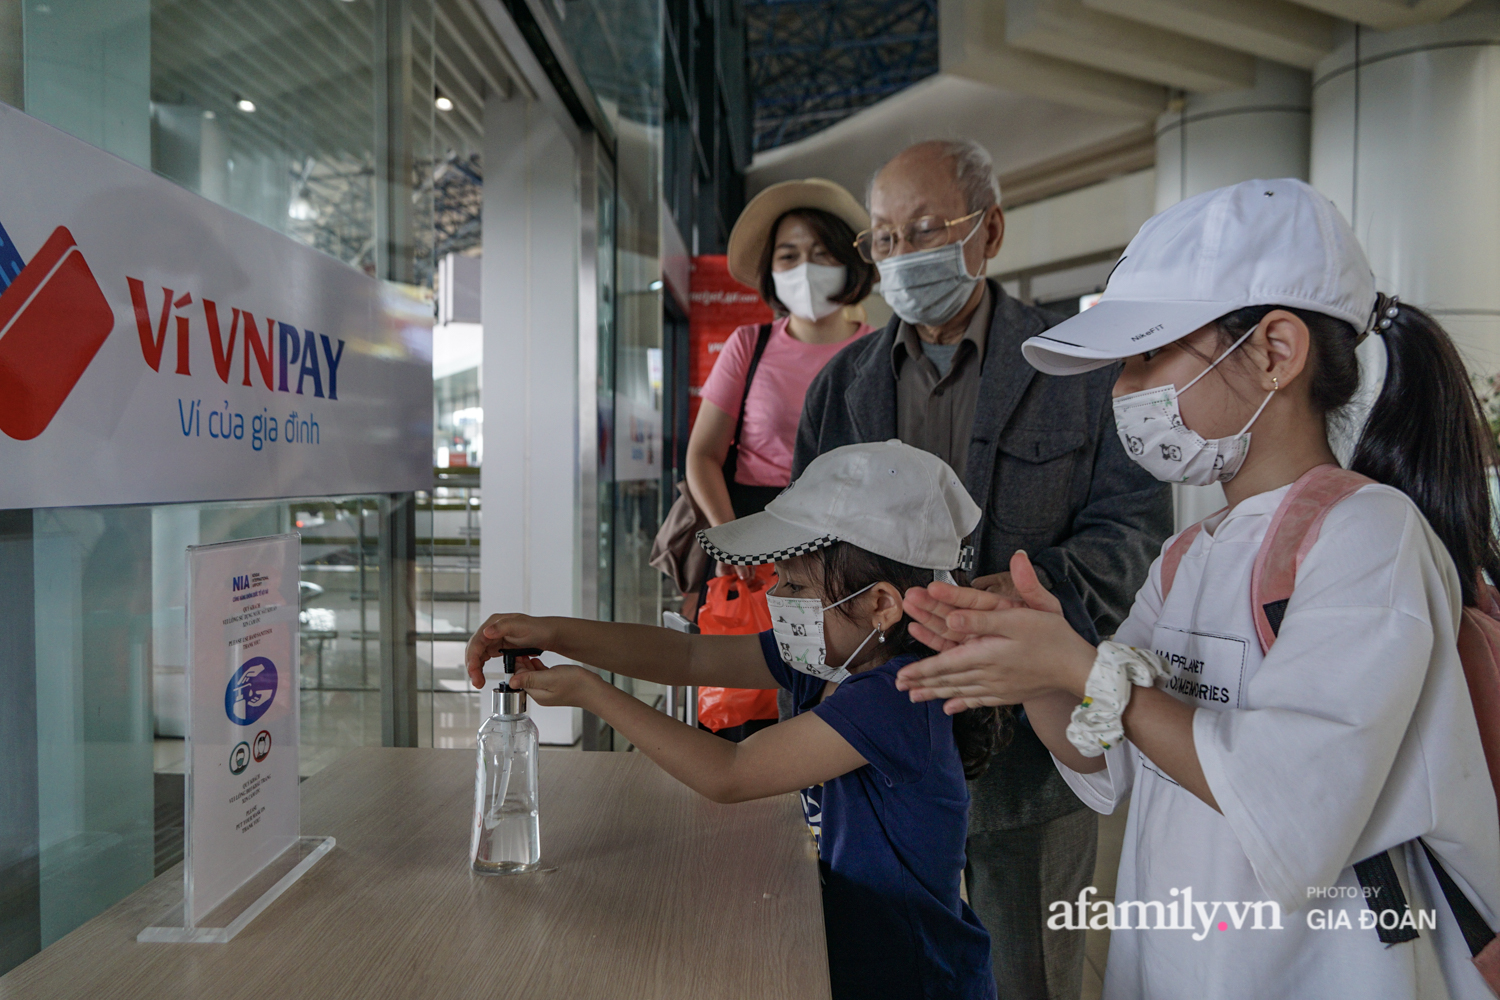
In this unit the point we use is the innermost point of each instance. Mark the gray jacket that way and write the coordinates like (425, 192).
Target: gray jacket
(1046, 465)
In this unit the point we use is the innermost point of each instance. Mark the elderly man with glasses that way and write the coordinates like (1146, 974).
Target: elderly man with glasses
(1041, 455)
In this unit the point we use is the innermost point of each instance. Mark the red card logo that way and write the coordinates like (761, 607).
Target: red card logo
(53, 320)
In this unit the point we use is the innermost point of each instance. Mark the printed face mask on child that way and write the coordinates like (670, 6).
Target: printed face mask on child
(798, 625)
(1151, 429)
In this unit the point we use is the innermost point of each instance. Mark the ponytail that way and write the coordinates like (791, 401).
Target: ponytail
(1427, 436)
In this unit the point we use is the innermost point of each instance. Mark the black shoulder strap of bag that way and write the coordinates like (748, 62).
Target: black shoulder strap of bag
(732, 459)
(1377, 875)
(1476, 932)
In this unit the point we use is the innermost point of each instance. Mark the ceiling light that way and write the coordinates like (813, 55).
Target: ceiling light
(244, 104)
(443, 103)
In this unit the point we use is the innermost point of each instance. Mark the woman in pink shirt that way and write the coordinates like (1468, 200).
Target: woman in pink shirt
(794, 243)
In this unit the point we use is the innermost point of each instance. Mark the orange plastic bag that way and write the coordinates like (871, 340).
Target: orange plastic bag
(732, 606)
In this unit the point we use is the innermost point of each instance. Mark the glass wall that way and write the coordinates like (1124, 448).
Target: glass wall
(269, 108)
(618, 47)
(449, 710)
(315, 119)
(111, 657)
(606, 304)
(458, 420)
(275, 108)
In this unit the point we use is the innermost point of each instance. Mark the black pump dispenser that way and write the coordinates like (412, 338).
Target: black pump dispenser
(504, 700)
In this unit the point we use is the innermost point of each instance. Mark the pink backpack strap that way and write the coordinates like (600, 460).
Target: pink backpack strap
(1293, 532)
(1171, 558)
(1479, 650)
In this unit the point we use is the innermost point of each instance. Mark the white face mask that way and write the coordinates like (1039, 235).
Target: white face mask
(1152, 431)
(798, 624)
(929, 287)
(806, 289)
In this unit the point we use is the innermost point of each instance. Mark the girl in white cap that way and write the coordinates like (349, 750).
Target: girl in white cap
(1310, 809)
(883, 780)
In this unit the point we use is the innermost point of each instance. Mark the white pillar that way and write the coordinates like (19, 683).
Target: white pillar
(529, 387)
(1406, 139)
(1233, 136)
(1225, 138)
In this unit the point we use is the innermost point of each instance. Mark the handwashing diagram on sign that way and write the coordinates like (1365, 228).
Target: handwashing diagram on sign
(250, 691)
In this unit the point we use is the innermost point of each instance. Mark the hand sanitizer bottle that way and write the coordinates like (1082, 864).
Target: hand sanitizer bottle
(506, 831)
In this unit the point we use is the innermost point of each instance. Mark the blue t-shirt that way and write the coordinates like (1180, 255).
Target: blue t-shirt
(892, 843)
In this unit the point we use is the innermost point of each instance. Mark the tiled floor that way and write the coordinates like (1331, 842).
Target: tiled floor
(1111, 839)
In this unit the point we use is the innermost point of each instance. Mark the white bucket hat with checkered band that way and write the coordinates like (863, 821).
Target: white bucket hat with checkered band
(887, 498)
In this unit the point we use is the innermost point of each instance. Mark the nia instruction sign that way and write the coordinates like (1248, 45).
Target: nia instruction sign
(244, 805)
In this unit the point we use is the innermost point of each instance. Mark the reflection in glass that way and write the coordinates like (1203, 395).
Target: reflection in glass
(111, 666)
(618, 48)
(303, 160)
(268, 107)
(450, 710)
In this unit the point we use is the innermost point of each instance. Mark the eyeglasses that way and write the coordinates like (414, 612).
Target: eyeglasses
(925, 233)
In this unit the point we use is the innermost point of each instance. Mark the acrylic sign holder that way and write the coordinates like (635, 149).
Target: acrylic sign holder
(235, 913)
(241, 832)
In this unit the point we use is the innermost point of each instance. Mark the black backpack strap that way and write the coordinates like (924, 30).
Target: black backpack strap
(1477, 933)
(1377, 876)
(732, 459)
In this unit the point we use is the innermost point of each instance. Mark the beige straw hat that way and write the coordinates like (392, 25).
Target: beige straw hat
(747, 242)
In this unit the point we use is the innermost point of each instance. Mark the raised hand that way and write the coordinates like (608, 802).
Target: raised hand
(930, 608)
(565, 684)
(996, 583)
(1021, 586)
(501, 632)
(993, 650)
(933, 607)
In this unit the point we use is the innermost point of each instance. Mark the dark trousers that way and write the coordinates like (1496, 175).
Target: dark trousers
(1013, 876)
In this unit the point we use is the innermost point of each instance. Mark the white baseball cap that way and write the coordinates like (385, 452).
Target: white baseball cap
(1259, 243)
(887, 497)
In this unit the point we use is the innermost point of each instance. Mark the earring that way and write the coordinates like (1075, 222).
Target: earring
(882, 634)
(1275, 383)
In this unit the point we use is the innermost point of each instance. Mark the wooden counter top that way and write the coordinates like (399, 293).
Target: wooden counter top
(657, 894)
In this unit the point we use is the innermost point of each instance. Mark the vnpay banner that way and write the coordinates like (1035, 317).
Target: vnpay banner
(156, 347)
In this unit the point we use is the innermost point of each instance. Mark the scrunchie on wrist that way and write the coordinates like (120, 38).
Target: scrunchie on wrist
(1096, 724)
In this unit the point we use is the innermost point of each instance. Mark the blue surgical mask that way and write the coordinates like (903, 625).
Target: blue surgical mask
(929, 287)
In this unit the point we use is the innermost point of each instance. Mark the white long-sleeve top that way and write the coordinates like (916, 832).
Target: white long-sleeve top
(1355, 734)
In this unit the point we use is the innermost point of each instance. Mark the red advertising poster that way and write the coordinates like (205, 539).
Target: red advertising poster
(719, 305)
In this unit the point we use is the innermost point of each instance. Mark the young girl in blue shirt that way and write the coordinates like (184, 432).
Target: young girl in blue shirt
(862, 525)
